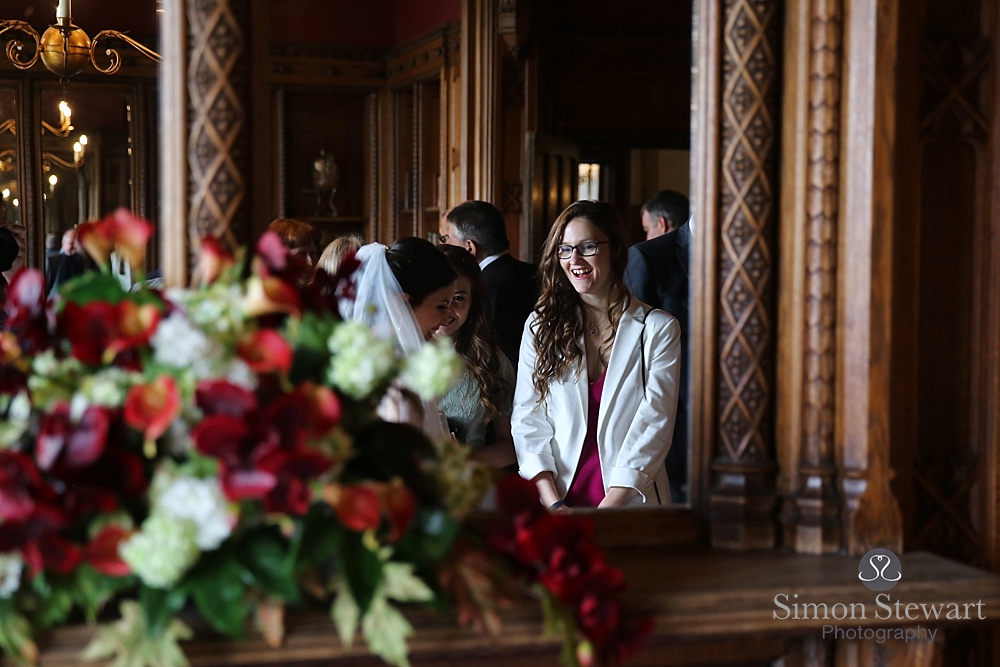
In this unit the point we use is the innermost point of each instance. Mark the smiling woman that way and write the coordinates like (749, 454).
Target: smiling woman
(607, 447)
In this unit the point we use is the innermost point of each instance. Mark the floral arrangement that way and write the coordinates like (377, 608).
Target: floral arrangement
(218, 449)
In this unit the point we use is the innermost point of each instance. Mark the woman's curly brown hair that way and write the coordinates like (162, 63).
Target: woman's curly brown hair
(561, 321)
(477, 341)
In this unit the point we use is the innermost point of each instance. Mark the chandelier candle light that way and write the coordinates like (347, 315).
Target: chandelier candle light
(64, 48)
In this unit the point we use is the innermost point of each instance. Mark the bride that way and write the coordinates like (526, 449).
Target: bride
(403, 292)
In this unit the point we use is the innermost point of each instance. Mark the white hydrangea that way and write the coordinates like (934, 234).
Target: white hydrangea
(107, 388)
(431, 370)
(178, 344)
(20, 407)
(218, 310)
(361, 361)
(201, 502)
(239, 373)
(11, 567)
(162, 551)
(45, 364)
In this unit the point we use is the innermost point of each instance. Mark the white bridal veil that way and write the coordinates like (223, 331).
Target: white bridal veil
(381, 304)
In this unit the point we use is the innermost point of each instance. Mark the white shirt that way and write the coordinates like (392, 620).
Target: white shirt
(489, 260)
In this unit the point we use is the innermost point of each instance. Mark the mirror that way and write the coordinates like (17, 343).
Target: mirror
(87, 155)
(9, 164)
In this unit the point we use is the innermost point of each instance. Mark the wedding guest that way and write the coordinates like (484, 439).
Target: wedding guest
(336, 250)
(597, 382)
(298, 237)
(404, 293)
(71, 263)
(511, 285)
(484, 393)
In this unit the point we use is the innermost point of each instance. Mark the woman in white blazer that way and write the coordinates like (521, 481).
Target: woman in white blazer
(598, 373)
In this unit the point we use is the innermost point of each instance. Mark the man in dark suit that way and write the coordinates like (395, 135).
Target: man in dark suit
(657, 274)
(512, 285)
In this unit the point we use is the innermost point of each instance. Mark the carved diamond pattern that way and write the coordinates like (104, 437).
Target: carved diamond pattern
(747, 213)
(217, 88)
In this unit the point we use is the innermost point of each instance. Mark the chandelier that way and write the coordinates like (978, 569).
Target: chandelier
(64, 48)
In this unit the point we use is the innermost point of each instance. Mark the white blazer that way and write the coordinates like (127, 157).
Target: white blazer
(636, 420)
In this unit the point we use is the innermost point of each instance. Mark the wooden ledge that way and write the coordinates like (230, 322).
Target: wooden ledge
(708, 605)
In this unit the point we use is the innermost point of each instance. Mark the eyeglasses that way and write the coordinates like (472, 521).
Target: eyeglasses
(586, 249)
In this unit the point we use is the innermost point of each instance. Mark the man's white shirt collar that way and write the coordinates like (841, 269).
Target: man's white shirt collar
(489, 260)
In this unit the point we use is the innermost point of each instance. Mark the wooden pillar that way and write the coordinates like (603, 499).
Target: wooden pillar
(218, 88)
(742, 500)
(871, 516)
(480, 92)
(806, 419)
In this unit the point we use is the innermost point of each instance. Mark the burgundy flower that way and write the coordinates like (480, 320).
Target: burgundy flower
(99, 331)
(266, 351)
(37, 538)
(27, 316)
(21, 486)
(292, 471)
(75, 445)
(569, 571)
(261, 451)
(516, 495)
(102, 552)
(600, 610)
(535, 540)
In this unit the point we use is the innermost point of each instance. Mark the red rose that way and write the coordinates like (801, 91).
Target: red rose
(102, 552)
(356, 505)
(152, 407)
(121, 231)
(570, 570)
(266, 351)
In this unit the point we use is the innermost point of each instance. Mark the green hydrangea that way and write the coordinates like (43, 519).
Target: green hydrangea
(361, 361)
(162, 551)
(431, 370)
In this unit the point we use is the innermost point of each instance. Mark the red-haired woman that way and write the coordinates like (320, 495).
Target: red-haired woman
(598, 373)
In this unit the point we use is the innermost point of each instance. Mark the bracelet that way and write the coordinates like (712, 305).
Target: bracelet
(557, 504)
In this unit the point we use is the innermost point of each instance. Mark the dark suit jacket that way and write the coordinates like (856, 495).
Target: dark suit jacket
(657, 274)
(512, 286)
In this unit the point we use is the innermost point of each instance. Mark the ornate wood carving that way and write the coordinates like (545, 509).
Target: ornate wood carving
(742, 502)
(218, 94)
(811, 513)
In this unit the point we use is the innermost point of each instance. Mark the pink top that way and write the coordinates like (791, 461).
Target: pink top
(587, 488)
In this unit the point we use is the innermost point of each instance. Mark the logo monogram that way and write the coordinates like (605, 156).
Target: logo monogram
(880, 569)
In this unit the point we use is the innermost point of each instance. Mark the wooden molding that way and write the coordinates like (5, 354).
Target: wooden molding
(173, 145)
(807, 349)
(480, 104)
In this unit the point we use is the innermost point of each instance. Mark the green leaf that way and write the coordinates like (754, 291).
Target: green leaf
(313, 331)
(264, 556)
(362, 568)
(92, 589)
(53, 608)
(402, 585)
(345, 613)
(94, 286)
(385, 630)
(15, 634)
(319, 538)
(130, 643)
(218, 589)
(430, 536)
(160, 606)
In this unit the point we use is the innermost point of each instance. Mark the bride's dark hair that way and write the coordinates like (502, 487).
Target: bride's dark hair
(419, 268)
(477, 341)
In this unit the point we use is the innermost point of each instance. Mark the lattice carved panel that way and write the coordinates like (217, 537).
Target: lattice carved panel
(747, 214)
(949, 514)
(218, 140)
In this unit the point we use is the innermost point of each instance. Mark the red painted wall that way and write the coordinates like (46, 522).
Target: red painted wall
(342, 22)
(415, 17)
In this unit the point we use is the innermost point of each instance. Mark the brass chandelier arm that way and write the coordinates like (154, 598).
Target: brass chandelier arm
(113, 55)
(61, 162)
(14, 46)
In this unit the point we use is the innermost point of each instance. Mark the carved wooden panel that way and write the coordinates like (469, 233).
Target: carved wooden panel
(949, 502)
(743, 499)
(218, 92)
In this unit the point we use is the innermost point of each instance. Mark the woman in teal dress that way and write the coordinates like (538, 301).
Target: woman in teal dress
(485, 392)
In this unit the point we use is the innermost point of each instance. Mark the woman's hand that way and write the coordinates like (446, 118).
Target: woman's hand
(618, 496)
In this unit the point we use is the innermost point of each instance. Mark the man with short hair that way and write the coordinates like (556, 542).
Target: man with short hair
(512, 285)
(67, 265)
(657, 274)
(664, 212)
